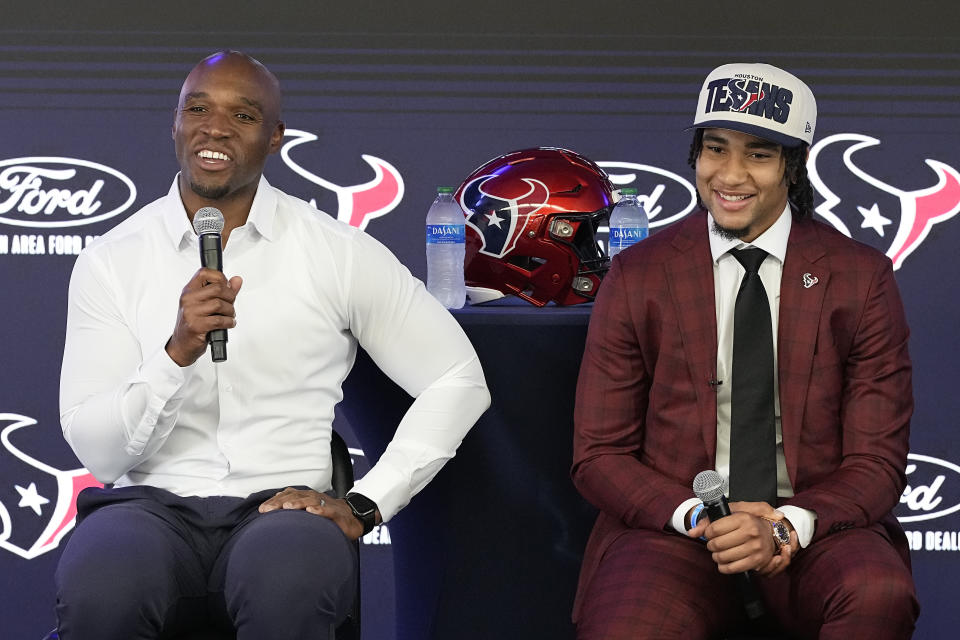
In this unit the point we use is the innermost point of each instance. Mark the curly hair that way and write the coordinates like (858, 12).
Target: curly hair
(800, 191)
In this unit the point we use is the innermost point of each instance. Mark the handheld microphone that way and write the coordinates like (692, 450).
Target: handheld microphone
(709, 487)
(208, 223)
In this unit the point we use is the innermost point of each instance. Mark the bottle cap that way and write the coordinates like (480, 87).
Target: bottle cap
(445, 189)
(628, 191)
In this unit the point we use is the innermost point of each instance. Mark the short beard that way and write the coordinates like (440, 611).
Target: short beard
(727, 233)
(210, 192)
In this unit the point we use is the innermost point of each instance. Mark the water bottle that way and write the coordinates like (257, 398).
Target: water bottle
(446, 245)
(628, 222)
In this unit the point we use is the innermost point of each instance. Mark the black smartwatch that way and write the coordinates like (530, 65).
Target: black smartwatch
(364, 509)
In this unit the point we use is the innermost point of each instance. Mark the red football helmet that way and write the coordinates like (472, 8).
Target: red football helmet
(532, 217)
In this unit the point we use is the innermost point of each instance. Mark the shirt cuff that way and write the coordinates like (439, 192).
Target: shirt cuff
(681, 513)
(802, 521)
(386, 487)
(164, 378)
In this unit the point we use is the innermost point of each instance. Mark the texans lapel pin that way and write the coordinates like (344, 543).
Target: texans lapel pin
(809, 280)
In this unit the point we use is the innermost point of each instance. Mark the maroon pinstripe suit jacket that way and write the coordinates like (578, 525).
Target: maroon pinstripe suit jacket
(646, 416)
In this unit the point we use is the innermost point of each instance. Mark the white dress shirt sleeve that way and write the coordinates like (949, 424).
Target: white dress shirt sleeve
(117, 405)
(421, 347)
(677, 521)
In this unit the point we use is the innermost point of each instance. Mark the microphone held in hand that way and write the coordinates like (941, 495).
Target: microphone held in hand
(709, 487)
(208, 223)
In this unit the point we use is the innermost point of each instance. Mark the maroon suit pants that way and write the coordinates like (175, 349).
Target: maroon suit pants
(849, 585)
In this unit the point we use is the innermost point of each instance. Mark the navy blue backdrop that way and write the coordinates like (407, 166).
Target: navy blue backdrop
(384, 103)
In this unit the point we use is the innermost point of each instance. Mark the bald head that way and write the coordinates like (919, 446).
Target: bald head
(246, 71)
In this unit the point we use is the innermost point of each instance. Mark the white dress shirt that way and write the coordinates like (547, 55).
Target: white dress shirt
(313, 288)
(727, 275)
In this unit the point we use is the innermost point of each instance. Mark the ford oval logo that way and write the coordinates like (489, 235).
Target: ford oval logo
(665, 196)
(933, 489)
(61, 192)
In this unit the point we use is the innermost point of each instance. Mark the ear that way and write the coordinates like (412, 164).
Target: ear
(806, 158)
(789, 173)
(276, 138)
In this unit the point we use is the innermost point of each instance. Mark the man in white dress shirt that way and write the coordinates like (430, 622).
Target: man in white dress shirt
(217, 514)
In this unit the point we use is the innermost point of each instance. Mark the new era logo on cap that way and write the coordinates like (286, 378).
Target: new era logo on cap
(758, 99)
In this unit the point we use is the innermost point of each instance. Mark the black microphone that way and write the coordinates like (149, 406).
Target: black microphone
(709, 486)
(208, 223)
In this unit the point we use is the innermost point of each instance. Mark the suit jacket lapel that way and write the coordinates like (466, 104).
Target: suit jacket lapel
(802, 289)
(690, 278)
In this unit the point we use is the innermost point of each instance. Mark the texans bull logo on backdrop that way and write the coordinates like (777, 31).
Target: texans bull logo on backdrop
(888, 218)
(38, 504)
(501, 207)
(358, 204)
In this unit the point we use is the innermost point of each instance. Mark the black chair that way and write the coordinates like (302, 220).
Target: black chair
(342, 482)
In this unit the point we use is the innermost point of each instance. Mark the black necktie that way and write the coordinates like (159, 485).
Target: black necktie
(753, 447)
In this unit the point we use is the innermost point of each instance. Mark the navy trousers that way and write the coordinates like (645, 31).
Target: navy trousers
(145, 564)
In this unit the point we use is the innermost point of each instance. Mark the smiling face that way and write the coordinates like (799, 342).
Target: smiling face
(741, 180)
(227, 122)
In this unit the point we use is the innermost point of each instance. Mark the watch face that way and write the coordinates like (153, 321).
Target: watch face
(781, 534)
(361, 504)
(364, 510)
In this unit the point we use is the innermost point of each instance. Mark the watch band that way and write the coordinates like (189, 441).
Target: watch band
(364, 509)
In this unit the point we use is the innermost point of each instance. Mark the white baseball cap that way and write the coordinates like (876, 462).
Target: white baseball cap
(758, 99)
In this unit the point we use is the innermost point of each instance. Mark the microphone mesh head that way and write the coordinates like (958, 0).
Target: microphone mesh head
(709, 486)
(208, 220)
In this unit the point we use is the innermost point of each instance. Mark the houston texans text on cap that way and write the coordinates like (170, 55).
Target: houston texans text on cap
(758, 99)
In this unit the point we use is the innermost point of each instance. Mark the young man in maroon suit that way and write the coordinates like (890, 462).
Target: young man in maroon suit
(658, 401)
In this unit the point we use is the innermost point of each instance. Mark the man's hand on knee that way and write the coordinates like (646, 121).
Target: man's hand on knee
(291, 498)
(319, 504)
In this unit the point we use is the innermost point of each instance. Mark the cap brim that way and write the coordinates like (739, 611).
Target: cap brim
(760, 132)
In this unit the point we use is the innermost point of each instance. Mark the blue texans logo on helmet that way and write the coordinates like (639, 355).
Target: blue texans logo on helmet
(500, 207)
(37, 501)
(894, 220)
